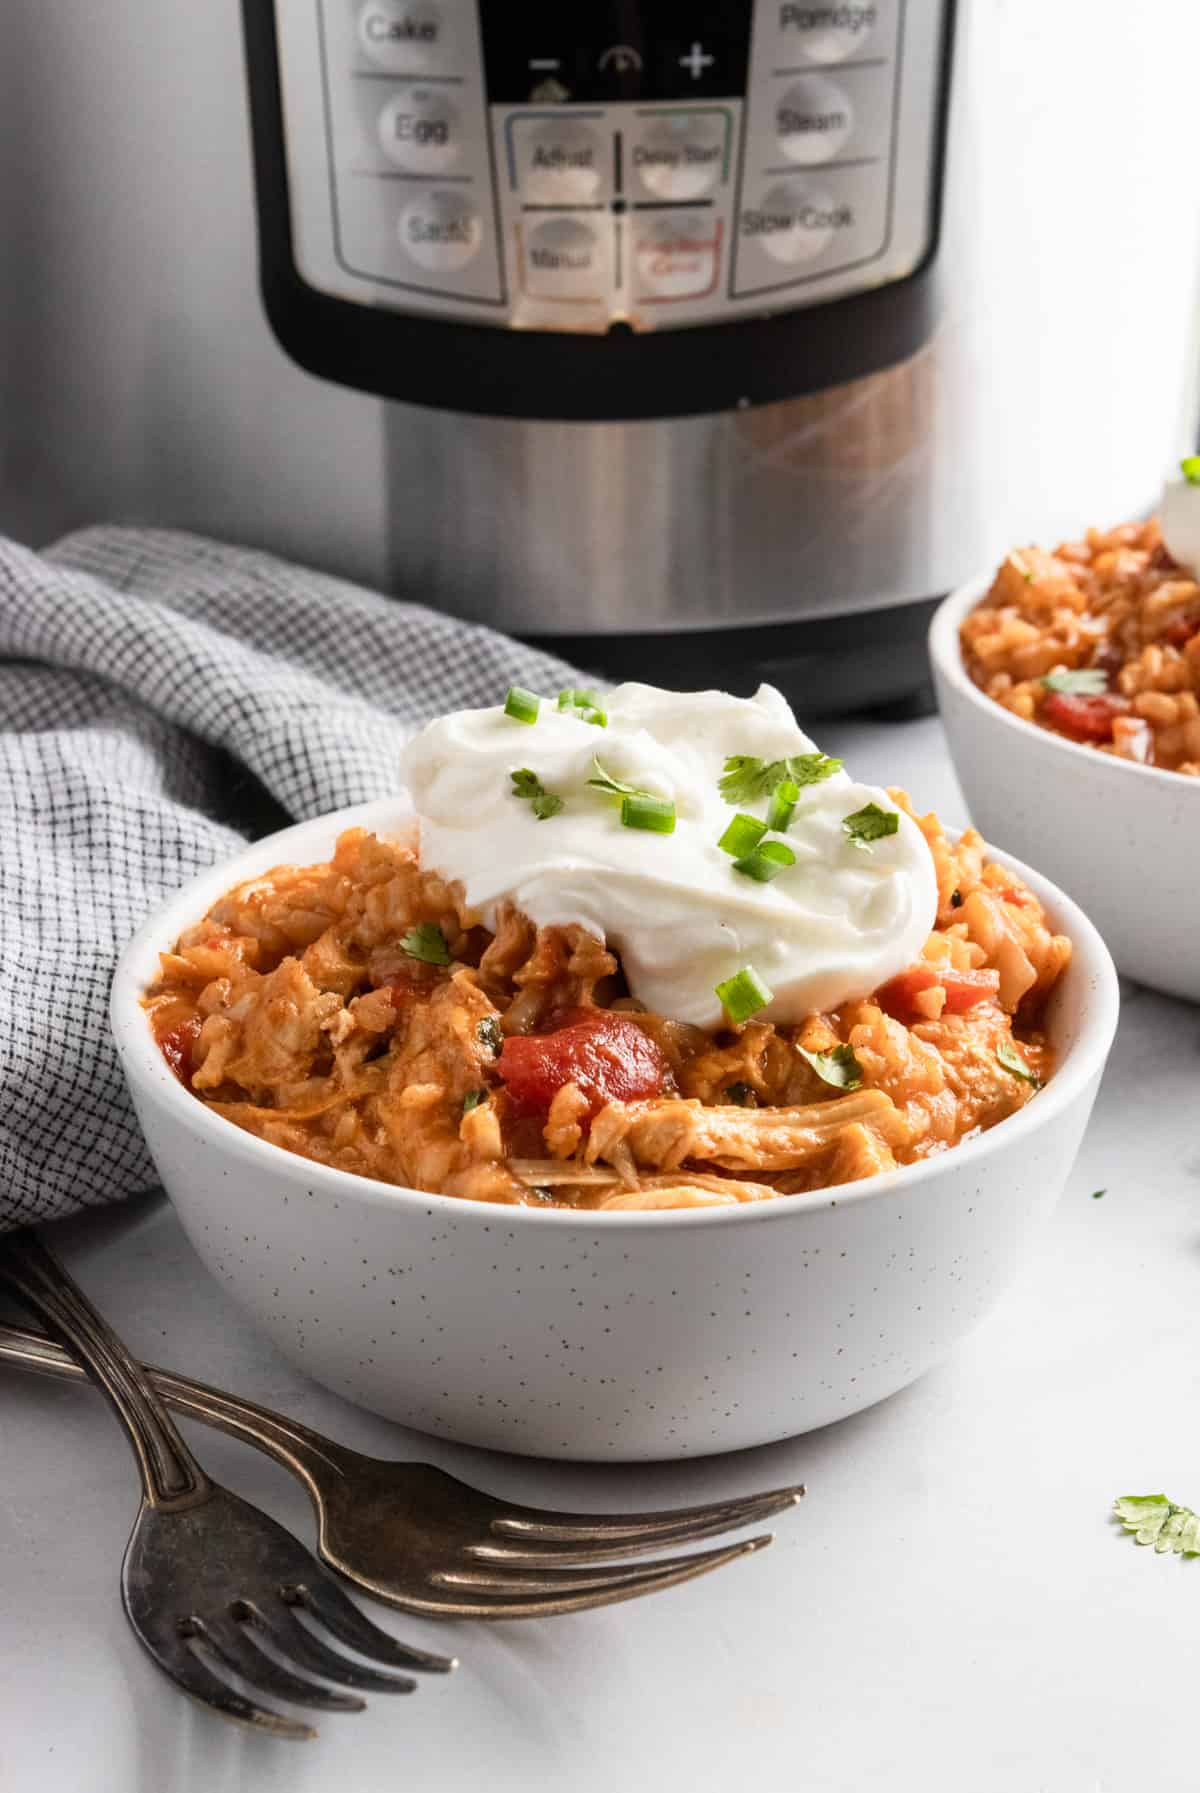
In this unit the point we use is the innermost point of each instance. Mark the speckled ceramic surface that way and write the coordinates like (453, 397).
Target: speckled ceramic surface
(1122, 839)
(623, 1336)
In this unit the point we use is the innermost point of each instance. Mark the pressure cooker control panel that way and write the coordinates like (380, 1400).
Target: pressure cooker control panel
(576, 168)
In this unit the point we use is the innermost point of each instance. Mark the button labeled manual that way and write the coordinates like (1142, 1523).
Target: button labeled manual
(564, 258)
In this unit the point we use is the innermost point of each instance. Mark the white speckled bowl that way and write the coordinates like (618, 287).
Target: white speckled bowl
(627, 1336)
(1123, 839)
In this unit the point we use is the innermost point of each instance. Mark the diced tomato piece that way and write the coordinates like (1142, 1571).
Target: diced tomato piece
(963, 990)
(1082, 717)
(176, 1047)
(606, 1055)
(1180, 632)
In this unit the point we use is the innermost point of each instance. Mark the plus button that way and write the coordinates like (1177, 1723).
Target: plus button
(696, 61)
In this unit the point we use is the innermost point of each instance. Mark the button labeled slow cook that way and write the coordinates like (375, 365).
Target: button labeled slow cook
(680, 155)
(405, 37)
(420, 131)
(565, 258)
(676, 255)
(441, 230)
(796, 221)
(828, 33)
(814, 118)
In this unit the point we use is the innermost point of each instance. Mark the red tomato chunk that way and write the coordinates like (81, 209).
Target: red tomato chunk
(606, 1055)
(176, 1047)
(963, 990)
(1083, 718)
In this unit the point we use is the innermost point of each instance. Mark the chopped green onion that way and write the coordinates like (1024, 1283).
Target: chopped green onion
(783, 804)
(741, 1094)
(1011, 1059)
(743, 994)
(746, 778)
(613, 787)
(766, 862)
(742, 836)
(1190, 468)
(1084, 681)
(427, 943)
(488, 1034)
(473, 1098)
(655, 814)
(870, 823)
(585, 704)
(521, 705)
(839, 1067)
(530, 789)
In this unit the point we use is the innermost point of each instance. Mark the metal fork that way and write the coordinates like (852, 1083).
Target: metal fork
(422, 1540)
(207, 1575)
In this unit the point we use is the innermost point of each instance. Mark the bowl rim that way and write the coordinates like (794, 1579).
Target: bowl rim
(147, 1072)
(945, 652)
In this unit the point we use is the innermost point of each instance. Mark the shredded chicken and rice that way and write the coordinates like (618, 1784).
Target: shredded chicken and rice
(311, 1008)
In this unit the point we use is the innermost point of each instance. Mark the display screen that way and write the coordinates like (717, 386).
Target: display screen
(658, 50)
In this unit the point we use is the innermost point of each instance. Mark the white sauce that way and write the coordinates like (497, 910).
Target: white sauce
(834, 926)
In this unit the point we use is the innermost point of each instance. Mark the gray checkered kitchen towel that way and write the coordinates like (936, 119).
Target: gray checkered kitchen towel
(162, 698)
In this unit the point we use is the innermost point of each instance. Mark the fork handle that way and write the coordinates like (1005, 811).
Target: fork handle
(171, 1477)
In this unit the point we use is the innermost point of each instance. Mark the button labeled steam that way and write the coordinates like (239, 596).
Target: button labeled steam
(440, 230)
(402, 36)
(795, 221)
(419, 131)
(813, 118)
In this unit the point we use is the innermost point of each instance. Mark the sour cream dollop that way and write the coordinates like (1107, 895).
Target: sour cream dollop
(1179, 518)
(834, 926)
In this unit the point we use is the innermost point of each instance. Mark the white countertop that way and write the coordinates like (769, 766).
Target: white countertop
(951, 1609)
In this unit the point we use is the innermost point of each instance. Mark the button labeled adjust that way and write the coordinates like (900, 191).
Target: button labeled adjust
(796, 222)
(441, 230)
(420, 131)
(558, 162)
(814, 118)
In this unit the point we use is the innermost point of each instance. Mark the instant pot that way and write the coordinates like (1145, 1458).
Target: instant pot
(702, 343)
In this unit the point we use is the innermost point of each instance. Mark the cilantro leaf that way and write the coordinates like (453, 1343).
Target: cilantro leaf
(1011, 1059)
(869, 824)
(839, 1067)
(427, 943)
(473, 1098)
(746, 778)
(529, 788)
(1153, 1519)
(1085, 681)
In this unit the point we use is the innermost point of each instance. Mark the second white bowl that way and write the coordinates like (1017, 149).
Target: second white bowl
(1122, 839)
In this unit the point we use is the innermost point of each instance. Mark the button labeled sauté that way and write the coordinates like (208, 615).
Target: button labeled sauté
(441, 230)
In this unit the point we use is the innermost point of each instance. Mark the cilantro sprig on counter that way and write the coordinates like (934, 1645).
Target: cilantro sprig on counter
(1153, 1519)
